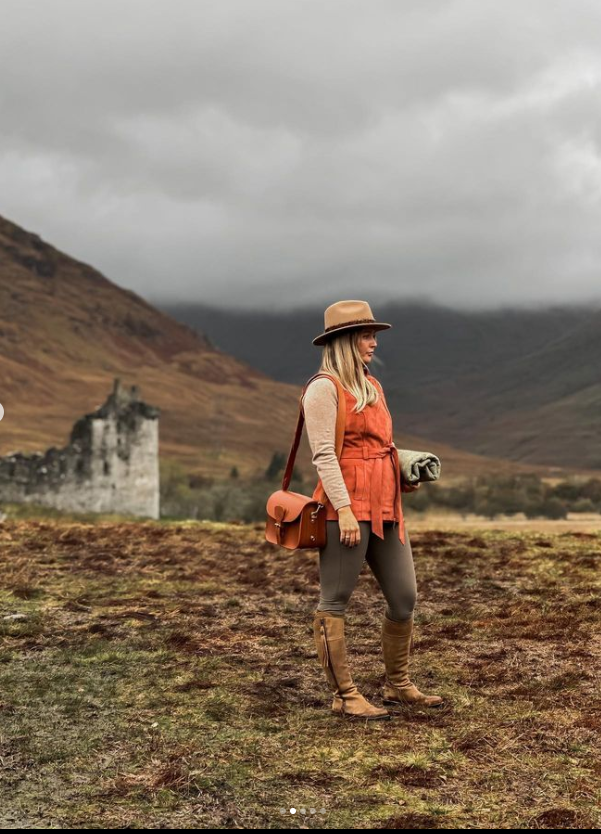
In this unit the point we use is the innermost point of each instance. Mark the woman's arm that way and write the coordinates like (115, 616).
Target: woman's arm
(320, 405)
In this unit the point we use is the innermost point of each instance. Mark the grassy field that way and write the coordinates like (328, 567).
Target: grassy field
(163, 675)
(575, 522)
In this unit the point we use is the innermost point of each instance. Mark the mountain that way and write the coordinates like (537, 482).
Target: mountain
(66, 331)
(521, 385)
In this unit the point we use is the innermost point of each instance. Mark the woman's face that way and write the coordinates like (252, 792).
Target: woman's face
(367, 343)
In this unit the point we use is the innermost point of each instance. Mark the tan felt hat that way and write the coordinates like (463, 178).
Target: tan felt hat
(348, 315)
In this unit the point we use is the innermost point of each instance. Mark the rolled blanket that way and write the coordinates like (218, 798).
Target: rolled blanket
(418, 466)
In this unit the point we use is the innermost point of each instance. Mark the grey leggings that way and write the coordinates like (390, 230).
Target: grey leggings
(390, 560)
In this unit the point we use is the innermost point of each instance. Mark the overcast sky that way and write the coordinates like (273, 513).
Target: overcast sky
(250, 152)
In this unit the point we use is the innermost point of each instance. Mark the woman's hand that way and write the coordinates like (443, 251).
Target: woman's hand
(350, 532)
(405, 487)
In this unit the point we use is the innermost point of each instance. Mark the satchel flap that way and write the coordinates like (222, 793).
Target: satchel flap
(287, 505)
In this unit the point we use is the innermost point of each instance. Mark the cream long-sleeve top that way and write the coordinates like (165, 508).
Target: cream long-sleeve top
(320, 405)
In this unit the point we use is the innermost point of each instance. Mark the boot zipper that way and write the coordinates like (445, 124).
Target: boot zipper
(327, 654)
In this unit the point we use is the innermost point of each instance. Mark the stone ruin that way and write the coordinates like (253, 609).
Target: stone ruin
(111, 464)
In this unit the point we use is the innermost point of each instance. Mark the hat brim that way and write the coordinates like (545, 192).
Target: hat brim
(372, 325)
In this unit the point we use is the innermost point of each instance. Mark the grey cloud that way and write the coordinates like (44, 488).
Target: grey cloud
(220, 150)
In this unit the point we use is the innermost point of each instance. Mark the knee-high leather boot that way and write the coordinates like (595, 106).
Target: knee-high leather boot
(328, 630)
(396, 646)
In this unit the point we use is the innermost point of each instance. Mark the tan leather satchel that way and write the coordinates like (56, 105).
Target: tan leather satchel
(294, 520)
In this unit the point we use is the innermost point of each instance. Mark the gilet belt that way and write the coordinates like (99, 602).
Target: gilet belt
(364, 453)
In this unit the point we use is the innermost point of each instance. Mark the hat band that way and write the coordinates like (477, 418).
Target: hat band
(345, 323)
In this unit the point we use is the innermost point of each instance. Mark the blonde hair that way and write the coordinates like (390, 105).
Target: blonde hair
(342, 359)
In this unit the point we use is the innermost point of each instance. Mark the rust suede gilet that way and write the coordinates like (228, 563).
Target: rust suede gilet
(370, 466)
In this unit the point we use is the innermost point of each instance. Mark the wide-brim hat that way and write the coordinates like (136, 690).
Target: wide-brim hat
(348, 315)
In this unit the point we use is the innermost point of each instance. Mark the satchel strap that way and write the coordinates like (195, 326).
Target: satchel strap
(280, 512)
(340, 424)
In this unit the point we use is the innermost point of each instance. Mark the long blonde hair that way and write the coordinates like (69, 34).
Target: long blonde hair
(342, 359)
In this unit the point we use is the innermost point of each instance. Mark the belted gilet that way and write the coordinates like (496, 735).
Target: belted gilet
(370, 467)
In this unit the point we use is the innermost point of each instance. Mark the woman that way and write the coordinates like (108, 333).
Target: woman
(364, 516)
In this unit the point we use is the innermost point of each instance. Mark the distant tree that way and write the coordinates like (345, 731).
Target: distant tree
(277, 463)
(196, 481)
(567, 491)
(553, 508)
(592, 489)
(583, 505)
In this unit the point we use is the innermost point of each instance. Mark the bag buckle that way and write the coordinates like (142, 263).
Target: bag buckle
(315, 511)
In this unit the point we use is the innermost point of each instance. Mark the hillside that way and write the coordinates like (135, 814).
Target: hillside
(520, 385)
(544, 405)
(66, 331)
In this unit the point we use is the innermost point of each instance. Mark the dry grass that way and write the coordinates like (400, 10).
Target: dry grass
(164, 675)
(574, 522)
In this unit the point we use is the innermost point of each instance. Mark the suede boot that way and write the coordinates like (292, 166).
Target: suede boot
(396, 646)
(328, 630)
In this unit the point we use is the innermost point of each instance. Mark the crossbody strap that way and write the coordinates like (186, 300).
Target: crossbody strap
(340, 424)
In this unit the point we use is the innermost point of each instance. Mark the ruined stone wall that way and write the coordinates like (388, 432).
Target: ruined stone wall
(111, 463)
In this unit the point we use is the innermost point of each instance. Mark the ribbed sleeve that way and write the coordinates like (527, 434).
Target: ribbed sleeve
(320, 405)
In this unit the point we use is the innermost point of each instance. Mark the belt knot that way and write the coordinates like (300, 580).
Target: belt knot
(379, 453)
